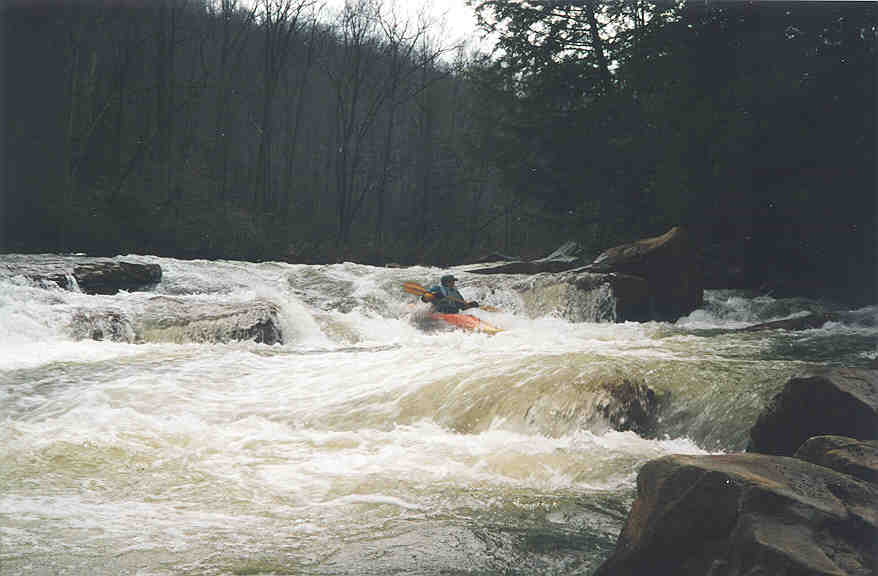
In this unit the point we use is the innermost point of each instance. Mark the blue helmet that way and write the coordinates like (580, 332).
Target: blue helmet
(448, 279)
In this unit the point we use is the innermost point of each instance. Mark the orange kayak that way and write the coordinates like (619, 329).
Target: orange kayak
(467, 322)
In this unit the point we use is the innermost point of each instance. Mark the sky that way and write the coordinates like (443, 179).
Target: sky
(459, 19)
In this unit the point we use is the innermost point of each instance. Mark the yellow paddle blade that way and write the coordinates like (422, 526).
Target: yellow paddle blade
(416, 289)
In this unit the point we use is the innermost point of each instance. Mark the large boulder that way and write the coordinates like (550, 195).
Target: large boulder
(174, 320)
(166, 319)
(90, 275)
(839, 401)
(858, 458)
(746, 514)
(581, 296)
(109, 277)
(669, 263)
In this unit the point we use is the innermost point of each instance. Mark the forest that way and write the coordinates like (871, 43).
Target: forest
(278, 130)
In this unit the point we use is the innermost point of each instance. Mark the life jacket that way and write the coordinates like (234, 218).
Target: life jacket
(448, 300)
(446, 292)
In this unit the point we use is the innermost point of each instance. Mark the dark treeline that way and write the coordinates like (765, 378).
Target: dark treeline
(751, 123)
(222, 129)
(198, 128)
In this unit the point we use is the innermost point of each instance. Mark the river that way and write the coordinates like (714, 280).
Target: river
(363, 444)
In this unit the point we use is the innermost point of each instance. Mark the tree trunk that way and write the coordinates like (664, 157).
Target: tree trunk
(598, 46)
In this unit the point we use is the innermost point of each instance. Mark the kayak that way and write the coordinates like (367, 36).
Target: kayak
(467, 322)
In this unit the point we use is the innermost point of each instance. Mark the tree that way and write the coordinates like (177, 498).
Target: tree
(281, 21)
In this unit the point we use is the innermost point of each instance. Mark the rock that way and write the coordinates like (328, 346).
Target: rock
(746, 514)
(671, 266)
(108, 277)
(630, 405)
(586, 297)
(598, 403)
(91, 275)
(846, 455)
(840, 401)
(108, 324)
(172, 320)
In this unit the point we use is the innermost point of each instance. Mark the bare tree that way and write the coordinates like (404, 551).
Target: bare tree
(230, 51)
(295, 112)
(281, 20)
(365, 86)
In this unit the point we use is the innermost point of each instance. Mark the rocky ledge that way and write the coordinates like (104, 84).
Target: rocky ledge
(166, 319)
(173, 320)
(813, 511)
(656, 278)
(109, 277)
(90, 275)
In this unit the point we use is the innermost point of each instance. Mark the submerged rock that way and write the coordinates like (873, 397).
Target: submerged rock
(604, 402)
(840, 401)
(631, 405)
(103, 324)
(746, 514)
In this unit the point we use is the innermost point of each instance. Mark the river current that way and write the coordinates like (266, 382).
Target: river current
(363, 444)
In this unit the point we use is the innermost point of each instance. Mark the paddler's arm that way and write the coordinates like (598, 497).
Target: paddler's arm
(431, 295)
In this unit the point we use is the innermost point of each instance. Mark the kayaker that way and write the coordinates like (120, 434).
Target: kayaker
(446, 298)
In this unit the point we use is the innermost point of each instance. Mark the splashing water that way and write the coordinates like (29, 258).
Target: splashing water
(361, 444)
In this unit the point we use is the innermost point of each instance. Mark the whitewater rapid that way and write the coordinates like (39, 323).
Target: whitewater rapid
(362, 444)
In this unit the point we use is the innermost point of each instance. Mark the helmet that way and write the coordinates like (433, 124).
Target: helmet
(447, 279)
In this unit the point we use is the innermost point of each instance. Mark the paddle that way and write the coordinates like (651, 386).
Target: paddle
(418, 290)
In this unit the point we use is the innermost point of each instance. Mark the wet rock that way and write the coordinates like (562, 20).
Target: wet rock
(670, 265)
(604, 402)
(746, 514)
(630, 405)
(109, 277)
(840, 401)
(579, 296)
(90, 275)
(95, 324)
(173, 320)
(857, 458)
